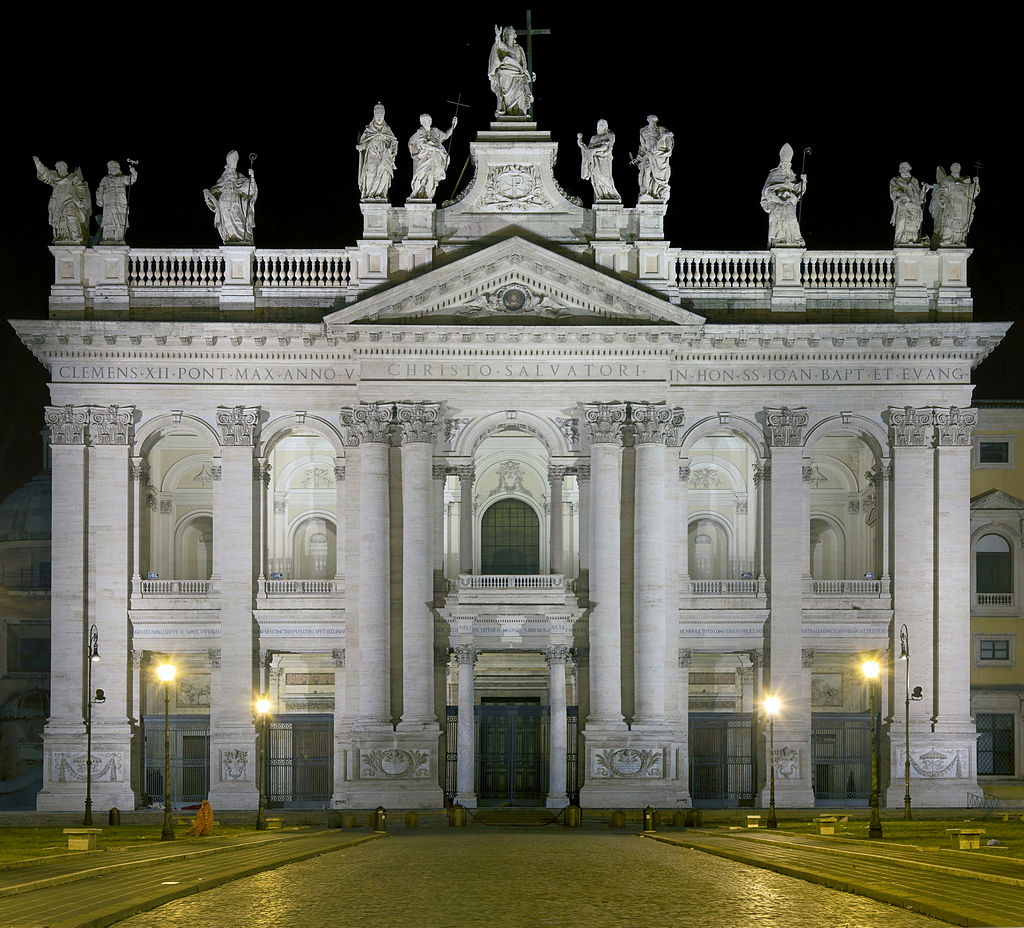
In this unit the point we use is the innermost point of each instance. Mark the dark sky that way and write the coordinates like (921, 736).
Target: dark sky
(177, 86)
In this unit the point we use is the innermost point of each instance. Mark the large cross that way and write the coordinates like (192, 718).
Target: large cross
(530, 32)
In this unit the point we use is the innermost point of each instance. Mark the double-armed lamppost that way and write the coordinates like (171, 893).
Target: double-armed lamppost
(262, 708)
(915, 695)
(771, 706)
(93, 656)
(166, 674)
(871, 669)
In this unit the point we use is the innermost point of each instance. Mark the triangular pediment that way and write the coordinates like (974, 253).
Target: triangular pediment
(514, 282)
(996, 499)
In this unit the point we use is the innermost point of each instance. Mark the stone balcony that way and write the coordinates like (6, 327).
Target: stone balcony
(515, 590)
(847, 594)
(722, 594)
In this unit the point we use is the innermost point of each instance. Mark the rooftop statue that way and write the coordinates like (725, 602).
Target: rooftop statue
(597, 162)
(70, 203)
(233, 203)
(377, 149)
(908, 195)
(429, 158)
(656, 144)
(952, 206)
(779, 198)
(112, 199)
(510, 78)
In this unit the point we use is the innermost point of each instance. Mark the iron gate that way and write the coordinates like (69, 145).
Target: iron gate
(721, 759)
(841, 751)
(512, 754)
(190, 758)
(299, 761)
(451, 755)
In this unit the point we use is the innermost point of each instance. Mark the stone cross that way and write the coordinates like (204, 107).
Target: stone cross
(530, 32)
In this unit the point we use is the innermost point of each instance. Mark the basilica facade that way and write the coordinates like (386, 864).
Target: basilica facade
(538, 509)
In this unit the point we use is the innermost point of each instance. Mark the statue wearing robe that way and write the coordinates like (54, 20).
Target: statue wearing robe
(429, 158)
(779, 198)
(70, 203)
(377, 148)
(232, 200)
(112, 199)
(952, 206)
(656, 144)
(908, 195)
(511, 81)
(597, 162)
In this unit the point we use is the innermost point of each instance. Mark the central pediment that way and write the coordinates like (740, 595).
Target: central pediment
(515, 281)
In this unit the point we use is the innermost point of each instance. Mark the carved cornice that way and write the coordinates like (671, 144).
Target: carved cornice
(418, 422)
(953, 426)
(785, 426)
(911, 428)
(604, 422)
(238, 424)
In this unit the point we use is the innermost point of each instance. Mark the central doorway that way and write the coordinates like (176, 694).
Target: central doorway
(512, 752)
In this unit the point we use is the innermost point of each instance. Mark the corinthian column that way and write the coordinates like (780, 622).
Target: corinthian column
(418, 425)
(604, 424)
(555, 476)
(465, 794)
(465, 519)
(370, 425)
(556, 655)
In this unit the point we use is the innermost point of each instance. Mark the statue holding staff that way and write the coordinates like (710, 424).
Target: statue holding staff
(70, 203)
(429, 157)
(908, 195)
(779, 198)
(112, 199)
(232, 200)
(377, 149)
(952, 206)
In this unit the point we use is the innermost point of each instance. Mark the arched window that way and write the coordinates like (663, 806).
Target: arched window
(510, 539)
(993, 565)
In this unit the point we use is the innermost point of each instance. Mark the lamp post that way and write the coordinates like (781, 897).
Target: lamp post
(166, 674)
(870, 669)
(262, 708)
(93, 655)
(915, 695)
(771, 706)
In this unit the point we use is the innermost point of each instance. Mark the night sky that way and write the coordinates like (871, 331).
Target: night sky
(176, 86)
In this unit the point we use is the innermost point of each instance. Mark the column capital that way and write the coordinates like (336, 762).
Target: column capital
(438, 471)
(466, 653)
(339, 472)
(556, 654)
(418, 422)
(261, 471)
(582, 472)
(367, 422)
(139, 470)
(338, 656)
(556, 472)
(953, 426)
(911, 427)
(604, 422)
(762, 472)
(655, 423)
(806, 657)
(238, 424)
(785, 426)
(214, 657)
(111, 425)
(463, 471)
(684, 473)
(685, 656)
(67, 424)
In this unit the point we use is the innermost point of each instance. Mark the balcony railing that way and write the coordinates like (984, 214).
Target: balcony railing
(846, 587)
(300, 587)
(723, 587)
(175, 587)
(511, 582)
(995, 599)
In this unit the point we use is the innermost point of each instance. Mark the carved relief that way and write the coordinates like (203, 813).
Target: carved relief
(111, 425)
(705, 478)
(395, 764)
(604, 422)
(67, 424)
(338, 656)
(570, 428)
(234, 764)
(68, 767)
(204, 476)
(237, 424)
(418, 421)
(826, 689)
(629, 763)
(193, 690)
(513, 299)
(953, 426)
(452, 429)
(684, 656)
(513, 187)
(785, 426)
(936, 763)
(370, 422)
(556, 654)
(787, 762)
(316, 478)
(910, 427)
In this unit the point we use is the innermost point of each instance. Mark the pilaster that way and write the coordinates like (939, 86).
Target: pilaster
(236, 293)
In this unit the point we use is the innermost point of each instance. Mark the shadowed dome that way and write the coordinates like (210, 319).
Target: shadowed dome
(28, 704)
(25, 514)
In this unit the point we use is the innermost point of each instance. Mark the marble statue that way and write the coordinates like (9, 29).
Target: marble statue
(377, 149)
(908, 195)
(952, 206)
(112, 199)
(233, 203)
(779, 198)
(70, 203)
(510, 78)
(597, 162)
(429, 158)
(656, 144)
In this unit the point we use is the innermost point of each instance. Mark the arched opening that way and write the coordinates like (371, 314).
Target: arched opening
(827, 556)
(993, 564)
(315, 548)
(709, 550)
(194, 555)
(510, 538)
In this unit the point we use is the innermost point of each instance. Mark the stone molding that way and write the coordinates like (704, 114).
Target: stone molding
(604, 422)
(418, 422)
(238, 424)
(785, 426)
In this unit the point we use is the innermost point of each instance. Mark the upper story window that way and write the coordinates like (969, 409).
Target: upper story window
(993, 565)
(994, 451)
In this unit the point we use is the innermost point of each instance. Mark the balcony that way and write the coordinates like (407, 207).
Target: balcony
(996, 603)
(151, 588)
(847, 594)
(727, 593)
(513, 589)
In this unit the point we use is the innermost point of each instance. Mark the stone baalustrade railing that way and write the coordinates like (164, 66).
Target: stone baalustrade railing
(299, 587)
(846, 587)
(512, 589)
(175, 587)
(995, 599)
(723, 587)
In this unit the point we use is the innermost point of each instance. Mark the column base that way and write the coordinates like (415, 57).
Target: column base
(234, 752)
(632, 768)
(556, 802)
(394, 769)
(66, 763)
(943, 771)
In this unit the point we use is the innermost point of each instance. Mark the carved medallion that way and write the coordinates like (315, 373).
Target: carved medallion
(512, 187)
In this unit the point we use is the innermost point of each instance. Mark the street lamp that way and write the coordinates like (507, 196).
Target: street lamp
(166, 674)
(771, 706)
(262, 708)
(93, 654)
(870, 669)
(916, 695)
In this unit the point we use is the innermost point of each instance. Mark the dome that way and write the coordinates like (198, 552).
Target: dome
(25, 514)
(28, 704)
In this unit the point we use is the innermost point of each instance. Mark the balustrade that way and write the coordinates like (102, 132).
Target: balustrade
(995, 599)
(177, 269)
(860, 270)
(330, 269)
(846, 587)
(299, 587)
(511, 582)
(175, 587)
(723, 587)
(734, 270)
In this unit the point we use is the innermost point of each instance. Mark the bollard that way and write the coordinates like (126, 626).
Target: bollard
(348, 820)
(114, 817)
(647, 819)
(457, 816)
(334, 818)
(618, 819)
(380, 825)
(573, 817)
(679, 820)
(694, 818)
(412, 820)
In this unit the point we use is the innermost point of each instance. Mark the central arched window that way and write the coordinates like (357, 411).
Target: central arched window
(993, 565)
(510, 539)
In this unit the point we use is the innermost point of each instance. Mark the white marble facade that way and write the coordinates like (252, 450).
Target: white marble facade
(724, 507)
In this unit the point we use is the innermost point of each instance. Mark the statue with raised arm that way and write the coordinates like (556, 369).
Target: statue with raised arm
(377, 149)
(70, 203)
(429, 158)
(510, 78)
(779, 198)
(597, 162)
(952, 206)
(232, 200)
(908, 195)
(656, 144)
(112, 200)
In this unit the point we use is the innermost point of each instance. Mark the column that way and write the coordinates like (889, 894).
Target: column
(340, 721)
(465, 791)
(438, 516)
(787, 563)
(583, 488)
(683, 521)
(418, 424)
(555, 475)
(261, 471)
(371, 423)
(650, 424)
(762, 474)
(604, 423)
(236, 538)
(139, 477)
(556, 655)
(341, 527)
(683, 659)
(465, 519)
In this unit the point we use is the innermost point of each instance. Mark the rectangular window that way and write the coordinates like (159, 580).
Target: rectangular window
(26, 653)
(995, 743)
(995, 649)
(994, 452)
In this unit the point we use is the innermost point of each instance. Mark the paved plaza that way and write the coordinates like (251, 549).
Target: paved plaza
(517, 877)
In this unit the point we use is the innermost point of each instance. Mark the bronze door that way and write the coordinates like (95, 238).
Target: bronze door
(512, 755)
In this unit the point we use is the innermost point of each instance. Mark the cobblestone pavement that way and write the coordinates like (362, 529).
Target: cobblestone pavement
(513, 877)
